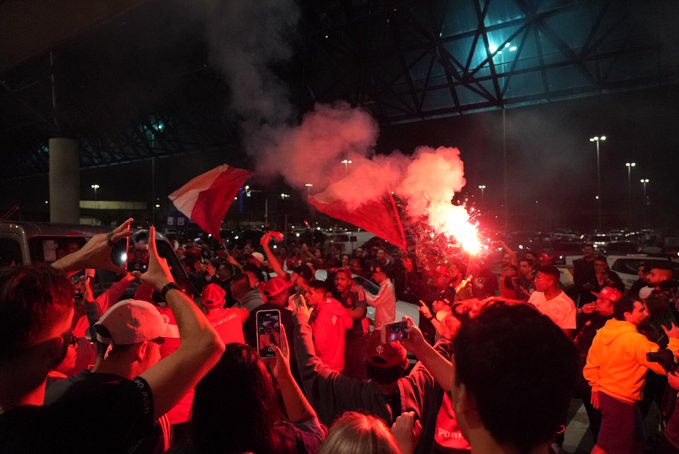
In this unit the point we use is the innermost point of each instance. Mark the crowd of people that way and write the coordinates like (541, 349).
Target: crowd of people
(273, 351)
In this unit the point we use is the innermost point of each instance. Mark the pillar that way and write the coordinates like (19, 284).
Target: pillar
(64, 181)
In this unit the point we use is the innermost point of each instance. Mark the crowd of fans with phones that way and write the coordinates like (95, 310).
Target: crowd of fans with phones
(260, 355)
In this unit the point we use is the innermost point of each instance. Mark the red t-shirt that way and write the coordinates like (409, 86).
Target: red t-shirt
(228, 322)
(330, 324)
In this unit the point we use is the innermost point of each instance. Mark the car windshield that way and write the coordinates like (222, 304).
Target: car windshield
(631, 265)
(368, 285)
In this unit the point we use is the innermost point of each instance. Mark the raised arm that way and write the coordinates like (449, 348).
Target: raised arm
(440, 367)
(296, 404)
(96, 253)
(513, 254)
(201, 346)
(275, 264)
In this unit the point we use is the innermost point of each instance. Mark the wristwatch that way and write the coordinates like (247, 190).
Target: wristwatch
(167, 288)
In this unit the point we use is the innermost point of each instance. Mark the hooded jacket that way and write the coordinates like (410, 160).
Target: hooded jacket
(617, 364)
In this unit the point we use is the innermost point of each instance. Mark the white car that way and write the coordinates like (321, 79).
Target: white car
(403, 308)
(627, 266)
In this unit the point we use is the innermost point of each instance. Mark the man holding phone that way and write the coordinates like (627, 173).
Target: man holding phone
(387, 393)
(36, 311)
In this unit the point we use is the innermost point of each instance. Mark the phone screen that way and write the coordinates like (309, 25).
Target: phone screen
(138, 257)
(119, 253)
(138, 252)
(392, 332)
(268, 332)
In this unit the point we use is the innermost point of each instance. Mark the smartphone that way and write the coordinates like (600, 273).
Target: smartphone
(268, 332)
(299, 300)
(138, 251)
(119, 253)
(392, 332)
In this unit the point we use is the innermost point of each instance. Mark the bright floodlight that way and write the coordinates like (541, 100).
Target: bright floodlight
(482, 186)
(95, 186)
(631, 164)
(309, 185)
(602, 138)
(645, 180)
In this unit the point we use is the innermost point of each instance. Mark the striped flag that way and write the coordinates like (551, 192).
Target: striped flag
(207, 198)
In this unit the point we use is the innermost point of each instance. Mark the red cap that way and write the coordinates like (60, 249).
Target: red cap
(213, 295)
(382, 355)
(277, 285)
(610, 293)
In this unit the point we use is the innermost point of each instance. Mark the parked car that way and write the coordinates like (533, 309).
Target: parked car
(627, 266)
(24, 243)
(403, 308)
(622, 247)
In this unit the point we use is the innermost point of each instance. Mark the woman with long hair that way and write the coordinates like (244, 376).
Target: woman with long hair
(236, 408)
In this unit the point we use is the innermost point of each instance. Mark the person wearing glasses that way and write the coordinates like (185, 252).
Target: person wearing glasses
(36, 313)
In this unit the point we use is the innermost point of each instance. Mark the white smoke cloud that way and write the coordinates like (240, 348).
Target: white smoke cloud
(246, 37)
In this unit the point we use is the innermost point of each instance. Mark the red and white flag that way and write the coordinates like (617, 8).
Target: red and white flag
(207, 198)
(378, 216)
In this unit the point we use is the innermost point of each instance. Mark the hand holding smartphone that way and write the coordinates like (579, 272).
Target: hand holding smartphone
(268, 332)
(393, 332)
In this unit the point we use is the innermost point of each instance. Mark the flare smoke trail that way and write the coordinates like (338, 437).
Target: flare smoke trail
(246, 37)
(312, 151)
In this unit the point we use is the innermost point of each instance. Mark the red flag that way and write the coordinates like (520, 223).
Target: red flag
(376, 216)
(207, 198)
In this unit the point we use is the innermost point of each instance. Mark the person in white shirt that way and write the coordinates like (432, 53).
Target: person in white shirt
(385, 300)
(549, 299)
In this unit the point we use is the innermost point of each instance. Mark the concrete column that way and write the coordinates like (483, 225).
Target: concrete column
(64, 181)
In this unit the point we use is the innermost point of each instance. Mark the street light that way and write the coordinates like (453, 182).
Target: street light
(95, 187)
(308, 189)
(629, 166)
(644, 182)
(346, 163)
(596, 140)
(482, 187)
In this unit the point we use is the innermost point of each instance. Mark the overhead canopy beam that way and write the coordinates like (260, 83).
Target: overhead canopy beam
(31, 28)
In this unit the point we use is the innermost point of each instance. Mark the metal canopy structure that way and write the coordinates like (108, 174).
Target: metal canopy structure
(140, 83)
(415, 60)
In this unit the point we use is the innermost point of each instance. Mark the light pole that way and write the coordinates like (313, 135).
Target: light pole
(308, 189)
(95, 187)
(644, 182)
(248, 193)
(596, 140)
(346, 163)
(482, 187)
(629, 166)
